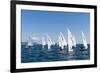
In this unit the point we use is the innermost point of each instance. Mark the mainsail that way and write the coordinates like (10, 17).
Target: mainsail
(29, 44)
(35, 40)
(43, 42)
(59, 41)
(49, 42)
(84, 41)
(71, 41)
(74, 41)
(62, 41)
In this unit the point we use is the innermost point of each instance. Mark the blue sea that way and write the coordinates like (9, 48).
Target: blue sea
(36, 53)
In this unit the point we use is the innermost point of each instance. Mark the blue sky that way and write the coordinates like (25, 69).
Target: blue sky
(42, 23)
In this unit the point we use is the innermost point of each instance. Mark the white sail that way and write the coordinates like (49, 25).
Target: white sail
(84, 41)
(74, 41)
(59, 41)
(29, 44)
(49, 42)
(43, 42)
(70, 41)
(36, 40)
(62, 41)
(53, 42)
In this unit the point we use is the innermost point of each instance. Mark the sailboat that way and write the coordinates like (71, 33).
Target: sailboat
(35, 40)
(62, 41)
(74, 41)
(71, 42)
(84, 41)
(49, 42)
(59, 41)
(29, 44)
(43, 42)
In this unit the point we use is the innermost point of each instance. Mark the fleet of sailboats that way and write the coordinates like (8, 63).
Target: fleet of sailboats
(70, 43)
